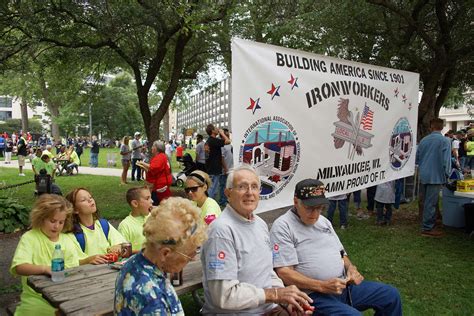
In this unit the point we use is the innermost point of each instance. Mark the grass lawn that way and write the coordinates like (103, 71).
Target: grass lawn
(434, 276)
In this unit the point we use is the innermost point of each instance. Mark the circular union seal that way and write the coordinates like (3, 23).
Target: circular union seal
(401, 144)
(272, 148)
(221, 255)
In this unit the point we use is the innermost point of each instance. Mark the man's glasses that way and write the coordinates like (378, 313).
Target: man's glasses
(192, 189)
(244, 187)
(186, 256)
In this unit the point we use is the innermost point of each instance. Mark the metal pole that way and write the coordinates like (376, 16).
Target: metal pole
(90, 121)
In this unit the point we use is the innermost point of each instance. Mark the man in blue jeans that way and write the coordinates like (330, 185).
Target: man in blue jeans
(307, 253)
(214, 160)
(433, 157)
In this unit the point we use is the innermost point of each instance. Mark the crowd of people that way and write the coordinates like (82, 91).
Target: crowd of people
(298, 267)
(246, 268)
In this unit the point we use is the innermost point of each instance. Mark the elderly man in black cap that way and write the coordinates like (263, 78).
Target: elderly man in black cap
(307, 253)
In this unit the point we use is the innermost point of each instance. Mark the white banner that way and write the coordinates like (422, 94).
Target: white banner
(298, 115)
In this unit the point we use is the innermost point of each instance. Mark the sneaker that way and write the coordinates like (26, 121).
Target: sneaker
(362, 215)
(343, 226)
(432, 233)
(21, 174)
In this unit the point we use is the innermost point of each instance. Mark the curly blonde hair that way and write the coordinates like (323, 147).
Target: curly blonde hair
(46, 206)
(176, 223)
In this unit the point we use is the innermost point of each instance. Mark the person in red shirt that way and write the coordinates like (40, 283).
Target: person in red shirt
(158, 173)
(179, 152)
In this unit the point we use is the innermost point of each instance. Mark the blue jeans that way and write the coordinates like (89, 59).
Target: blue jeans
(342, 210)
(370, 198)
(383, 298)
(222, 198)
(463, 162)
(430, 193)
(94, 161)
(381, 217)
(398, 192)
(136, 169)
(212, 191)
(357, 198)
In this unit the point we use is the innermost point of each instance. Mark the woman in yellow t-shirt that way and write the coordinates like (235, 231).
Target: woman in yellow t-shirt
(50, 215)
(197, 184)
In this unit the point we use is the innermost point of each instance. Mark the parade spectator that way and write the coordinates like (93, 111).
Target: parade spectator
(131, 227)
(3, 145)
(48, 152)
(79, 148)
(462, 151)
(179, 152)
(214, 160)
(384, 198)
(50, 216)
(308, 253)
(173, 232)
(469, 147)
(433, 157)
(158, 173)
(22, 152)
(169, 149)
(95, 236)
(94, 154)
(14, 139)
(196, 186)
(8, 150)
(136, 156)
(238, 276)
(341, 202)
(200, 153)
(36, 162)
(125, 152)
(227, 165)
(73, 159)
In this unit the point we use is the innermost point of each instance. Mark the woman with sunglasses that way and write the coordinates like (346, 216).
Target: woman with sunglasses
(173, 232)
(197, 184)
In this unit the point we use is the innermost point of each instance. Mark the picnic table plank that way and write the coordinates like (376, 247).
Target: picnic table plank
(89, 289)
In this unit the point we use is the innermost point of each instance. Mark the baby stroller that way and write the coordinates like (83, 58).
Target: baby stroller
(188, 166)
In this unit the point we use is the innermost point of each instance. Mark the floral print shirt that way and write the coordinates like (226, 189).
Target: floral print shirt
(142, 289)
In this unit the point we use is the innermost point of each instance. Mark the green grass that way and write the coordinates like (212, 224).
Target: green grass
(434, 276)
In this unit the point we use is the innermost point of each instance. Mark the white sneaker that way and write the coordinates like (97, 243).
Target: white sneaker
(21, 174)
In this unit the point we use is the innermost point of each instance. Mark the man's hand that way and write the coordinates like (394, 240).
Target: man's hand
(353, 276)
(290, 295)
(333, 286)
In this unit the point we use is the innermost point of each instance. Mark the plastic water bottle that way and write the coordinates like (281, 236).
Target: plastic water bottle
(57, 265)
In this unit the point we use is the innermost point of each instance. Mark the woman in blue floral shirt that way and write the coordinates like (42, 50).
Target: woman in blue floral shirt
(173, 233)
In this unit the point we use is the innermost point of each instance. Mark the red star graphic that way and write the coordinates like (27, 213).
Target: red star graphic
(292, 80)
(253, 105)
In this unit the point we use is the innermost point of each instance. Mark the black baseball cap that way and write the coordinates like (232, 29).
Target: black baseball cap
(311, 192)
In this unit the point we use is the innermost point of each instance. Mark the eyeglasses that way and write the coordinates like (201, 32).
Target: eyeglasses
(192, 189)
(194, 258)
(244, 187)
(319, 208)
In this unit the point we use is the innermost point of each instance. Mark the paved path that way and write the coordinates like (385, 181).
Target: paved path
(82, 169)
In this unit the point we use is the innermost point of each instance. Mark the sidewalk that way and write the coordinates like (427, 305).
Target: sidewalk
(82, 169)
(114, 172)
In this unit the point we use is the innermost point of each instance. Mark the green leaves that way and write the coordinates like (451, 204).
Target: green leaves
(13, 215)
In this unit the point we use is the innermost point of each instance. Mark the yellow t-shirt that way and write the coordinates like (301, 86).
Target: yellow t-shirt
(210, 207)
(36, 248)
(75, 158)
(131, 229)
(96, 243)
(36, 163)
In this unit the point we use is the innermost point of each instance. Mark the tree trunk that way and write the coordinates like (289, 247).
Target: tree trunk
(24, 115)
(54, 110)
(166, 126)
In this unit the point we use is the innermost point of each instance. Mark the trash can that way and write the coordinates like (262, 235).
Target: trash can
(469, 217)
(453, 211)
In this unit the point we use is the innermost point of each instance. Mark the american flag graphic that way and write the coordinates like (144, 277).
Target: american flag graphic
(367, 118)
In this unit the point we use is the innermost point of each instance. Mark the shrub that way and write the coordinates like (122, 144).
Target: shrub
(13, 215)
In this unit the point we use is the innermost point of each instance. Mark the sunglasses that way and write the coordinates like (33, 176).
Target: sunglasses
(192, 189)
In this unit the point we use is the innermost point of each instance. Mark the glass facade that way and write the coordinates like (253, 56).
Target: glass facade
(210, 106)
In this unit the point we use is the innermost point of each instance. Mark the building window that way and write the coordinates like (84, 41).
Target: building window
(5, 115)
(6, 102)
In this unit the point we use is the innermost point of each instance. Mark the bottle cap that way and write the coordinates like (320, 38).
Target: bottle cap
(57, 246)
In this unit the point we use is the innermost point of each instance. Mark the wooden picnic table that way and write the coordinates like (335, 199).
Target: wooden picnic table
(89, 289)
